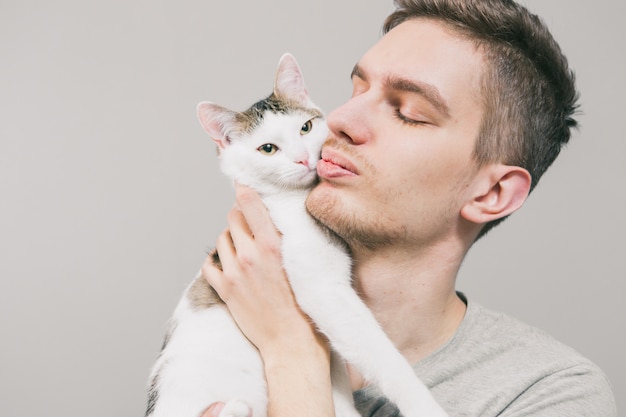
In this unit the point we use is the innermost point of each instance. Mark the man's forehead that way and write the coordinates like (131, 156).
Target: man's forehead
(425, 51)
(414, 38)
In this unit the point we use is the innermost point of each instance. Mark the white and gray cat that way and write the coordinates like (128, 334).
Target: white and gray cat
(273, 147)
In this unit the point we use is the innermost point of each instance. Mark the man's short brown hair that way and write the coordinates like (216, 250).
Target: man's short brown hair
(528, 88)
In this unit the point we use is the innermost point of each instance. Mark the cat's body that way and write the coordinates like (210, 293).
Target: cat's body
(205, 357)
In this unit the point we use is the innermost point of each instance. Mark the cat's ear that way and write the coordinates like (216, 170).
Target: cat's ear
(218, 122)
(289, 83)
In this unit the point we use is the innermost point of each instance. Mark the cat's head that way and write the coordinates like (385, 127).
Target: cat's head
(276, 143)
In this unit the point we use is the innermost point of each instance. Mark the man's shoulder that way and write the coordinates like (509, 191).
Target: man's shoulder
(508, 343)
(501, 365)
(496, 365)
(496, 331)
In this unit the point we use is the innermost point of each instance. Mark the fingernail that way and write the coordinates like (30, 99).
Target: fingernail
(217, 409)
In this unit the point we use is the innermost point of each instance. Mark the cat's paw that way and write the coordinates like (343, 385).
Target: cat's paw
(236, 408)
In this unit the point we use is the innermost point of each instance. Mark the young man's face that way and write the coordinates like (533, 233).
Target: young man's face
(400, 153)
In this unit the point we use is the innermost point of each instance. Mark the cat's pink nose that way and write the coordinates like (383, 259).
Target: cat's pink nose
(304, 162)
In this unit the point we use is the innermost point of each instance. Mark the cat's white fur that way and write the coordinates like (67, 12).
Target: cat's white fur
(207, 359)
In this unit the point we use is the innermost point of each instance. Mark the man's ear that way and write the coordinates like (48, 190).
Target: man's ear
(500, 191)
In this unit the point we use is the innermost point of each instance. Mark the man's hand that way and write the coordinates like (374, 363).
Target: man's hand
(252, 281)
(254, 286)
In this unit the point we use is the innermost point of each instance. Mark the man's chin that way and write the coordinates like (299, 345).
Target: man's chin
(321, 202)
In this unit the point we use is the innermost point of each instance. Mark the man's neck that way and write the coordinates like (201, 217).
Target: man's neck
(412, 296)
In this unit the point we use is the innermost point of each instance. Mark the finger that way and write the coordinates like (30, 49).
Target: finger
(214, 410)
(226, 250)
(211, 270)
(214, 256)
(211, 262)
(219, 277)
(254, 211)
(240, 232)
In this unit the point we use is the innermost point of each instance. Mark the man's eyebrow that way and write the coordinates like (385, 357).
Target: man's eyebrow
(357, 71)
(393, 82)
(428, 91)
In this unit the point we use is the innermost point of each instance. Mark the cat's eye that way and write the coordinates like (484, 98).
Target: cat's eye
(306, 128)
(268, 149)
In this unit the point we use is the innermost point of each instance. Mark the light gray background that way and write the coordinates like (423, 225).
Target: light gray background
(109, 192)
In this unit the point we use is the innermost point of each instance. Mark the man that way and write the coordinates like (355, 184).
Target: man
(455, 115)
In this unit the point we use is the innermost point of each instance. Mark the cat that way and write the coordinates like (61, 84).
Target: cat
(273, 147)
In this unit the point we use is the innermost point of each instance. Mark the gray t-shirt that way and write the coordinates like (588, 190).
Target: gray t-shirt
(497, 366)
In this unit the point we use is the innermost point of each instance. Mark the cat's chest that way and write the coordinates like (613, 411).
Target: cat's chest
(288, 212)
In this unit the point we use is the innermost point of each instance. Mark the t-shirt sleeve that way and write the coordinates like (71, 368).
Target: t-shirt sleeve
(577, 391)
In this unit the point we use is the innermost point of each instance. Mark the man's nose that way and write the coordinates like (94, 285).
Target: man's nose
(352, 120)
